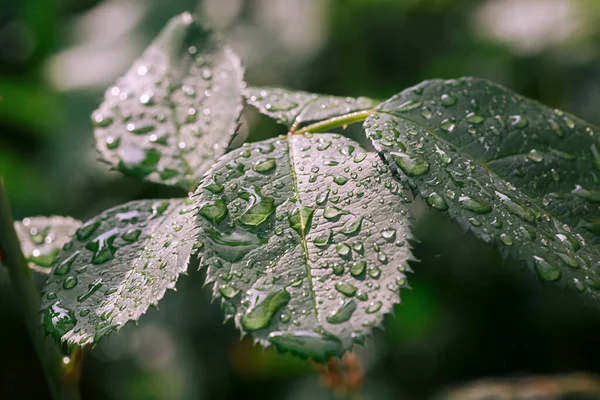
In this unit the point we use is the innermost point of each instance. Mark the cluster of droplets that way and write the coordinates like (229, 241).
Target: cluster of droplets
(476, 189)
(117, 265)
(42, 238)
(168, 122)
(303, 236)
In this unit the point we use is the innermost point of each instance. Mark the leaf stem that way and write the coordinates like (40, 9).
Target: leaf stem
(51, 358)
(335, 122)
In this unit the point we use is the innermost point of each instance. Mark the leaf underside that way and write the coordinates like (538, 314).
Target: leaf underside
(42, 238)
(292, 108)
(305, 241)
(117, 265)
(511, 170)
(175, 110)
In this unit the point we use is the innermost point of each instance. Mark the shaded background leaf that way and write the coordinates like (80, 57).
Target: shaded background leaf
(117, 265)
(175, 110)
(42, 238)
(305, 241)
(511, 170)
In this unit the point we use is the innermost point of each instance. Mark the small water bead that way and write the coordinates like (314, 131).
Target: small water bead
(515, 208)
(448, 125)
(569, 122)
(546, 270)
(215, 211)
(265, 166)
(346, 289)
(410, 165)
(374, 307)
(340, 180)
(568, 259)
(409, 105)
(535, 156)
(436, 200)
(375, 272)
(476, 205)
(353, 227)
(448, 100)
(555, 175)
(92, 288)
(101, 121)
(426, 113)
(506, 239)
(358, 268)
(65, 266)
(475, 222)
(518, 121)
(229, 292)
(343, 313)
(323, 239)
(333, 213)
(473, 118)
(343, 249)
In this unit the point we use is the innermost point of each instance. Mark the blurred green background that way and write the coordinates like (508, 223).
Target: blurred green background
(470, 314)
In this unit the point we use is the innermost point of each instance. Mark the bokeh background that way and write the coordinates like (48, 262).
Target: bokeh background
(470, 315)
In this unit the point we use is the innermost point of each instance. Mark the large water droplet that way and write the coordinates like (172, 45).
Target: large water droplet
(300, 219)
(546, 270)
(259, 208)
(58, 320)
(437, 201)
(411, 166)
(476, 205)
(346, 289)
(343, 313)
(215, 211)
(319, 346)
(262, 309)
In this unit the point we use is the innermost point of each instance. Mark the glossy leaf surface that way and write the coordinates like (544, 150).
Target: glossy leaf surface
(175, 110)
(305, 241)
(513, 171)
(117, 265)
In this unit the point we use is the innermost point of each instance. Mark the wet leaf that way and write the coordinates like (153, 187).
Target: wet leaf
(42, 238)
(309, 254)
(513, 171)
(295, 107)
(175, 110)
(117, 265)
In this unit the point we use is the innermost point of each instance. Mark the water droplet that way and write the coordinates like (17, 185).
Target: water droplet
(476, 205)
(437, 201)
(409, 105)
(589, 195)
(229, 292)
(353, 227)
(516, 209)
(265, 166)
(346, 289)
(92, 288)
(323, 239)
(101, 121)
(131, 235)
(568, 259)
(411, 166)
(140, 129)
(70, 282)
(333, 213)
(388, 234)
(236, 245)
(506, 239)
(102, 246)
(86, 230)
(263, 308)
(358, 268)
(518, 121)
(65, 266)
(322, 197)
(343, 249)
(448, 100)
(343, 313)
(374, 307)
(259, 209)
(535, 156)
(340, 180)
(473, 118)
(215, 211)
(546, 270)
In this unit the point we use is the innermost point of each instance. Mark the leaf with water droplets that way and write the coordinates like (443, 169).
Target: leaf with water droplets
(175, 110)
(297, 258)
(511, 170)
(116, 266)
(42, 238)
(292, 108)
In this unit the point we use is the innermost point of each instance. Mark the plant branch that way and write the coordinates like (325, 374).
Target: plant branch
(335, 122)
(50, 356)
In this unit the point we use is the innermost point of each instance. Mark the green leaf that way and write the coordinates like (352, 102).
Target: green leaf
(117, 265)
(42, 238)
(305, 241)
(512, 170)
(175, 110)
(291, 108)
